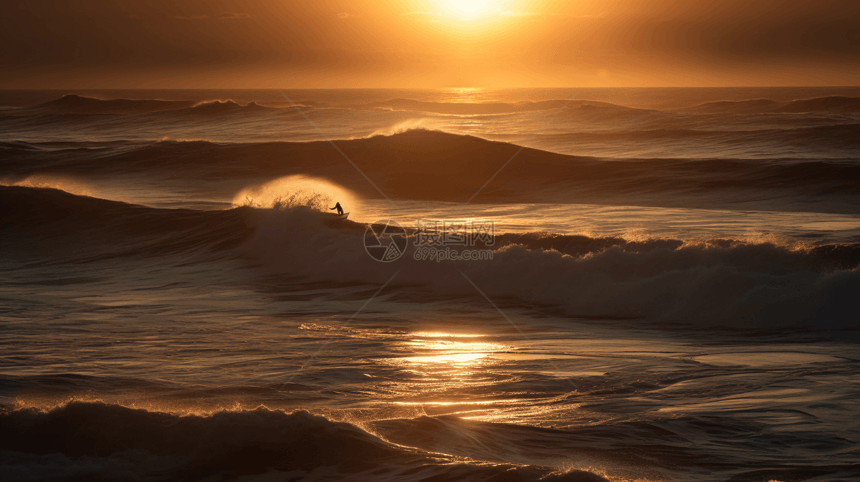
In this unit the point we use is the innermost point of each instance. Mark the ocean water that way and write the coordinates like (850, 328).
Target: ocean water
(666, 285)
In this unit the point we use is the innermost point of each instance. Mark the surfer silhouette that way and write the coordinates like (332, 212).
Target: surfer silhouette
(339, 209)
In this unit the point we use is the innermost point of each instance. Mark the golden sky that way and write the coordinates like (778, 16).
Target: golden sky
(427, 43)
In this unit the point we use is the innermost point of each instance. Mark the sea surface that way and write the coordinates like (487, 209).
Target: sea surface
(662, 284)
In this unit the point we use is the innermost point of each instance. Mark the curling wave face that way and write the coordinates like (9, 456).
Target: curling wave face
(79, 439)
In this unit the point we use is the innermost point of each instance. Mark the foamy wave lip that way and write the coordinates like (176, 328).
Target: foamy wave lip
(409, 125)
(227, 105)
(68, 185)
(298, 191)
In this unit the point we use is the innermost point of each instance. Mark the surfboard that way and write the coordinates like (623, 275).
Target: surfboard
(341, 217)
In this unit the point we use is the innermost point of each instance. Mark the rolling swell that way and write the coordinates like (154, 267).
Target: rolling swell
(536, 176)
(83, 439)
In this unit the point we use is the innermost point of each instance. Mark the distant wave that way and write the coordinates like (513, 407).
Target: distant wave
(77, 104)
(841, 136)
(18, 145)
(737, 107)
(830, 104)
(834, 104)
(86, 440)
(484, 108)
(218, 106)
(73, 103)
(760, 283)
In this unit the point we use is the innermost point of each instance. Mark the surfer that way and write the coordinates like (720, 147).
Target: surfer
(339, 209)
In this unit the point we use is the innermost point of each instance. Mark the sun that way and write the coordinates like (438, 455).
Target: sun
(469, 6)
(466, 16)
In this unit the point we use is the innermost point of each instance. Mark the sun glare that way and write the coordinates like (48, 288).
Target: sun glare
(469, 6)
(471, 18)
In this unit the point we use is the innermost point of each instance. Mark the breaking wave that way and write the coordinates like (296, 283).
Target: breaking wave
(294, 192)
(712, 282)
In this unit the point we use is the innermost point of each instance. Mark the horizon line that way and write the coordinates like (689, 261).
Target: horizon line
(443, 88)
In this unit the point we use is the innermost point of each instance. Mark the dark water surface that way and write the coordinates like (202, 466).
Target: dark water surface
(672, 293)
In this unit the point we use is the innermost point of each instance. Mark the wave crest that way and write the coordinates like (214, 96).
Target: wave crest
(42, 181)
(297, 191)
(223, 106)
